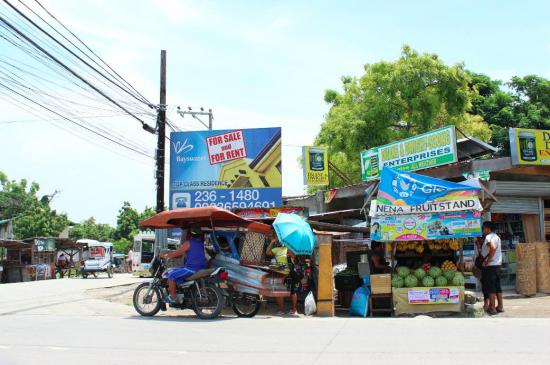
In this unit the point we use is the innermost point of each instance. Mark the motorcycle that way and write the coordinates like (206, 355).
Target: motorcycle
(201, 292)
(243, 304)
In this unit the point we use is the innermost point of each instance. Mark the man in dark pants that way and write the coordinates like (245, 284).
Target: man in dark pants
(490, 273)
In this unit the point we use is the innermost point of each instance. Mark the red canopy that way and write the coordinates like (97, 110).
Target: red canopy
(201, 217)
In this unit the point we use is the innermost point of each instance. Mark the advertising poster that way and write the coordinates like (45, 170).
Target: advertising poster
(433, 295)
(231, 169)
(406, 188)
(315, 161)
(430, 149)
(426, 226)
(530, 146)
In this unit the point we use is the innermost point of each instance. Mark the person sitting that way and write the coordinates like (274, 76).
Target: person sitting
(378, 261)
(195, 260)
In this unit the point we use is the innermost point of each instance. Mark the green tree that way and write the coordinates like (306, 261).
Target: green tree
(92, 230)
(32, 216)
(395, 100)
(127, 222)
(523, 102)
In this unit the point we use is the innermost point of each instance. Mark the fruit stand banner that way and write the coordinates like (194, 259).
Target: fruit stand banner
(426, 226)
(430, 149)
(433, 295)
(530, 146)
(405, 188)
(315, 161)
(450, 203)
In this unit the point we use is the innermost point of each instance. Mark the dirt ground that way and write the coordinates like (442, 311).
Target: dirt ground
(515, 306)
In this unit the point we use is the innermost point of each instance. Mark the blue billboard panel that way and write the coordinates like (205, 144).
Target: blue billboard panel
(231, 169)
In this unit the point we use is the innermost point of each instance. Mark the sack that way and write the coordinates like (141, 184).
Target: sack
(309, 305)
(359, 303)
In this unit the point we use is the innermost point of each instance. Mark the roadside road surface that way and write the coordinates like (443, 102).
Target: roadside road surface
(56, 322)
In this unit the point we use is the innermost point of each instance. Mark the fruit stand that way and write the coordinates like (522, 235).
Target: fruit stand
(424, 222)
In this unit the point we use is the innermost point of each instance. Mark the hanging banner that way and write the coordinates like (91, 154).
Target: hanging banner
(426, 226)
(406, 188)
(433, 295)
(530, 146)
(484, 175)
(448, 203)
(315, 161)
(430, 149)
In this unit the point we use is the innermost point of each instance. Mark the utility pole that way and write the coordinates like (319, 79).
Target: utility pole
(161, 234)
(161, 128)
(210, 119)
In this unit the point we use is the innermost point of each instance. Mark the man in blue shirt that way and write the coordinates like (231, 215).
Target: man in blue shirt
(195, 260)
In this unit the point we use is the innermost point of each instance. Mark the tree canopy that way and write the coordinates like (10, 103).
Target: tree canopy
(419, 92)
(395, 100)
(32, 216)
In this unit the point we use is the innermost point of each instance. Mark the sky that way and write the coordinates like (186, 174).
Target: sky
(256, 64)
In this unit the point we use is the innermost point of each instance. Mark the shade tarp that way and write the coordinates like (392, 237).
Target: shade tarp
(202, 217)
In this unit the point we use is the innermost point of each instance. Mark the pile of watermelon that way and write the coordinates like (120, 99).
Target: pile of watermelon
(426, 276)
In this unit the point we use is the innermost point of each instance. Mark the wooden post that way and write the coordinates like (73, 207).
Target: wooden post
(325, 300)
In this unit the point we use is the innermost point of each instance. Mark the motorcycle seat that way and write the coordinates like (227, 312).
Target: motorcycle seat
(201, 274)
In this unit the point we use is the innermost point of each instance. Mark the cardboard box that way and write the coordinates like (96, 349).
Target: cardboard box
(380, 284)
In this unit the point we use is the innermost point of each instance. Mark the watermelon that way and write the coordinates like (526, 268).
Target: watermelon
(449, 275)
(411, 281)
(434, 272)
(428, 281)
(419, 273)
(458, 280)
(397, 282)
(440, 281)
(403, 271)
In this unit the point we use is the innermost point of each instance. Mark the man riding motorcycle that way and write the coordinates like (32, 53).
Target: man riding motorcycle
(195, 260)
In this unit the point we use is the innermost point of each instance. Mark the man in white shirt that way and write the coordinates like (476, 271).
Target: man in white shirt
(491, 251)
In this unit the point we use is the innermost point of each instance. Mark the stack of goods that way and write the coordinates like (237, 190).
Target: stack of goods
(526, 269)
(428, 276)
(434, 246)
(543, 267)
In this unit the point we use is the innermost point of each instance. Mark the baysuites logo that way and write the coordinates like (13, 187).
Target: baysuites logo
(182, 148)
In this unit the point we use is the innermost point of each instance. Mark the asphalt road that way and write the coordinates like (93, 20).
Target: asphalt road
(57, 322)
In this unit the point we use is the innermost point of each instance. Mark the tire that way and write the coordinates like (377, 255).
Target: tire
(142, 289)
(215, 296)
(84, 275)
(248, 309)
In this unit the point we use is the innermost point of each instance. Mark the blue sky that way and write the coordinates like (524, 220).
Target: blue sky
(257, 64)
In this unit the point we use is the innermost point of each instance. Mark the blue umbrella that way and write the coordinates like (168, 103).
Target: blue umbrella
(295, 233)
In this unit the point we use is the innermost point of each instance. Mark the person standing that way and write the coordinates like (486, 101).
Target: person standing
(130, 259)
(286, 260)
(491, 251)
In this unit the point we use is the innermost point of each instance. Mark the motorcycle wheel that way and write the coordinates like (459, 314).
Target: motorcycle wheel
(147, 307)
(84, 275)
(210, 303)
(247, 306)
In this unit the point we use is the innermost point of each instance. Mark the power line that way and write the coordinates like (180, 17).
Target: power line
(74, 122)
(89, 49)
(67, 49)
(64, 66)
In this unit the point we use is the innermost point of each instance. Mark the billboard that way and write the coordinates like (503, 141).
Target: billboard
(315, 161)
(426, 226)
(530, 146)
(231, 169)
(426, 150)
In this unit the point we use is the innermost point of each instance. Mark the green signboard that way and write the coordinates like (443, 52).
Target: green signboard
(426, 150)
